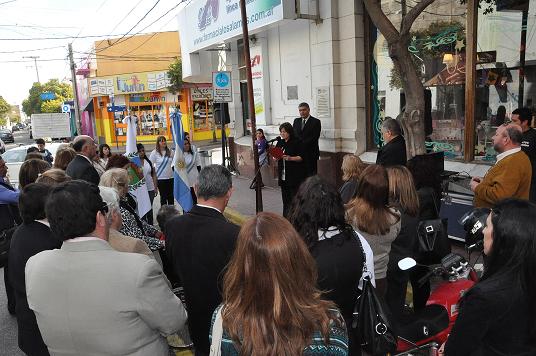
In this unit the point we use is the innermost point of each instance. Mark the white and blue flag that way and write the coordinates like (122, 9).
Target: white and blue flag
(181, 187)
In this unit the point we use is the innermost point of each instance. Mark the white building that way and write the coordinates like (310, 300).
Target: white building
(295, 59)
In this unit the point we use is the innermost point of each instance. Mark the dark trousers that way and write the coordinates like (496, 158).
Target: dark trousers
(10, 292)
(149, 216)
(421, 293)
(397, 284)
(194, 197)
(287, 194)
(165, 188)
(311, 166)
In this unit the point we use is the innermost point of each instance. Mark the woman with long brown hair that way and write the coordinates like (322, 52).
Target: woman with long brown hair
(370, 214)
(271, 305)
(403, 196)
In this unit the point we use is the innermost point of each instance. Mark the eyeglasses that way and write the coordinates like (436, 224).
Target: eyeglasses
(104, 208)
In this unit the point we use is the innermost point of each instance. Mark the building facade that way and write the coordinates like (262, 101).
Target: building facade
(476, 64)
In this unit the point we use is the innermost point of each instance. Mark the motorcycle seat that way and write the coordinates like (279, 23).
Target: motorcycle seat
(425, 323)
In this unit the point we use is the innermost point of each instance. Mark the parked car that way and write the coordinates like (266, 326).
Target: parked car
(14, 158)
(2, 147)
(7, 136)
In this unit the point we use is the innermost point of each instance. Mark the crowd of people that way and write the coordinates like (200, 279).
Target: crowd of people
(86, 275)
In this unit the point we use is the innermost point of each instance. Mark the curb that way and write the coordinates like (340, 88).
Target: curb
(234, 216)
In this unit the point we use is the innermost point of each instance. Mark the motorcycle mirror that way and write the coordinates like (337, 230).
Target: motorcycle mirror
(406, 263)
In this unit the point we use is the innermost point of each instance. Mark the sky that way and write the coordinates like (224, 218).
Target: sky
(22, 20)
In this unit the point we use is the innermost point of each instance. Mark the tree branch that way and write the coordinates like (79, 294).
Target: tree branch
(412, 15)
(381, 21)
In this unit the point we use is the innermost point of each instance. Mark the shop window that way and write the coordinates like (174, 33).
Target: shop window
(203, 116)
(438, 50)
(506, 68)
(151, 120)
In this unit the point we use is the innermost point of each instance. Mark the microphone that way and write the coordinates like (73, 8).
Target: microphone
(275, 139)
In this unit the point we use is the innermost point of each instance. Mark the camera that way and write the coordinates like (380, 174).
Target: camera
(473, 223)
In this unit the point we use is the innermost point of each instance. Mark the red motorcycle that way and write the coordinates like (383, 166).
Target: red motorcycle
(428, 329)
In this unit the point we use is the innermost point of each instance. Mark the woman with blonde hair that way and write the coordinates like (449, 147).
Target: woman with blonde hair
(370, 214)
(132, 226)
(64, 156)
(351, 167)
(403, 196)
(271, 305)
(53, 177)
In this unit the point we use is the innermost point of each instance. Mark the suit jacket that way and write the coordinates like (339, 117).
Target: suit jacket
(294, 171)
(27, 241)
(508, 178)
(92, 300)
(81, 168)
(393, 153)
(199, 244)
(309, 136)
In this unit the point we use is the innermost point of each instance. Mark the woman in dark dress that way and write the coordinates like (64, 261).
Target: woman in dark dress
(497, 315)
(290, 167)
(317, 213)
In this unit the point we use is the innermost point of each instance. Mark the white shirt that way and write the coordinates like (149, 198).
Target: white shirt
(147, 175)
(369, 256)
(84, 238)
(157, 159)
(508, 153)
(44, 222)
(210, 207)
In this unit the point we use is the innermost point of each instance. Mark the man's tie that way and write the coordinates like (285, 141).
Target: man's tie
(303, 123)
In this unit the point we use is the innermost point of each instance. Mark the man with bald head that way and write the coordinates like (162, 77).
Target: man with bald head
(81, 167)
(510, 177)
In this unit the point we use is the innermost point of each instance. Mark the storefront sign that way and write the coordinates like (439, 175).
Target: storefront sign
(207, 22)
(204, 93)
(147, 98)
(222, 91)
(129, 83)
(257, 74)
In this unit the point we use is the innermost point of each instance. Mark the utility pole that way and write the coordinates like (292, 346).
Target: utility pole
(35, 61)
(78, 119)
(251, 107)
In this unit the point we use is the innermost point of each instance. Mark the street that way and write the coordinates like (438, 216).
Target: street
(21, 138)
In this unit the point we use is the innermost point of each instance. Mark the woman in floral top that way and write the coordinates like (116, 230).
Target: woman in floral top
(133, 226)
(271, 305)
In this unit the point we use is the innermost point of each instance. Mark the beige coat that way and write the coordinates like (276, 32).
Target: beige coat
(89, 299)
(122, 243)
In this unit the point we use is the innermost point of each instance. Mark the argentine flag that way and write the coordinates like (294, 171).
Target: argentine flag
(136, 186)
(181, 188)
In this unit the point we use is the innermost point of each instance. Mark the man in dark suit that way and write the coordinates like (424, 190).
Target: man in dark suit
(307, 129)
(30, 238)
(393, 153)
(9, 218)
(199, 244)
(81, 167)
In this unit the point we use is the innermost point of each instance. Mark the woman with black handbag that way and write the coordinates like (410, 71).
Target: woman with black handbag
(317, 214)
(428, 187)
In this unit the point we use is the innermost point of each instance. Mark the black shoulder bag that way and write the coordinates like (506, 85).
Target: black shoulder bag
(370, 323)
(433, 237)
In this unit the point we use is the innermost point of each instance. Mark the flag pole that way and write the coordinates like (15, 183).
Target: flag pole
(251, 107)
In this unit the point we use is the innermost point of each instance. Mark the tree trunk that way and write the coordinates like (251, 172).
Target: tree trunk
(412, 118)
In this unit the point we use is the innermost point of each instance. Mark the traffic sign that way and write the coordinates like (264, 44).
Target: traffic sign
(47, 96)
(66, 108)
(221, 87)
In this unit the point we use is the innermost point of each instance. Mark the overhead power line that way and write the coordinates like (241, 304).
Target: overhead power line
(32, 50)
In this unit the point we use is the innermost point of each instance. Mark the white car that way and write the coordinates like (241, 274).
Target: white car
(14, 158)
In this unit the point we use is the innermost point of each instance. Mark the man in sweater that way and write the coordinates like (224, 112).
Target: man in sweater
(511, 176)
(523, 117)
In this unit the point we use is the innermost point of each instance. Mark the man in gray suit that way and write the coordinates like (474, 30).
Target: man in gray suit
(89, 299)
